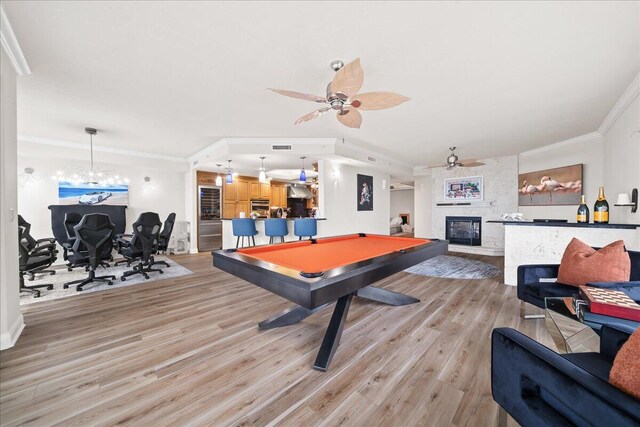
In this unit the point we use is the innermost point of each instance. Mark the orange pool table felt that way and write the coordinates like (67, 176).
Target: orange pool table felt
(331, 252)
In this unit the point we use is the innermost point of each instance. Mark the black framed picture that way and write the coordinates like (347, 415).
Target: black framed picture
(365, 193)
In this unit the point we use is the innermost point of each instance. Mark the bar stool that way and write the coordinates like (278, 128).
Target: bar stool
(244, 227)
(275, 227)
(305, 227)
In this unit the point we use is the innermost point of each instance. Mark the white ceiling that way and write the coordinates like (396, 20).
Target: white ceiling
(173, 77)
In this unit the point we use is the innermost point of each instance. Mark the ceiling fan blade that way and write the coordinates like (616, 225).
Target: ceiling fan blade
(350, 117)
(299, 95)
(312, 115)
(379, 100)
(470, 163)
(348, 79)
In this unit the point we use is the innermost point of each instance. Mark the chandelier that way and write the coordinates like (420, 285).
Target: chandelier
(92, 176)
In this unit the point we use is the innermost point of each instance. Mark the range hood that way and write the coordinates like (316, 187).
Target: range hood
(298, 192)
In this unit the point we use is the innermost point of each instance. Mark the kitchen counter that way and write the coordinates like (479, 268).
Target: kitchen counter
(229, 240)
(288, 219)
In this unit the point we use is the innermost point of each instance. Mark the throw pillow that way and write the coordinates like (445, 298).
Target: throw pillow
(625, 372)
(582, 264)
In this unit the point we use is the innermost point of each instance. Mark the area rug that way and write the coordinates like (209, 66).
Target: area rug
(454, 267)
(63, 276)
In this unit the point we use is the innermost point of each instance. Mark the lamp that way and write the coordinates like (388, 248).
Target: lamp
(262, 177)
(229, 174)
(303, 174)
(218, 178)
(92, 176)
(28, 178)
(624, 200)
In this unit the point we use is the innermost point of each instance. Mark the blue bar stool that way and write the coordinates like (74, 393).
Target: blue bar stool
(305, 227)
(275, 227)
(244, 227)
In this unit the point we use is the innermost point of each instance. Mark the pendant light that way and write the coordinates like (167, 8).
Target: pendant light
(229, 174)
(262, 177)
(93, 176)
(303, 174)
(218, 178)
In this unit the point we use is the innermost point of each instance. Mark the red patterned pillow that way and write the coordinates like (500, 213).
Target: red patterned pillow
(625, 372)
(582, 264)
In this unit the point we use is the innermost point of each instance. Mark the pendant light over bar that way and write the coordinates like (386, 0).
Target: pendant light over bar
(218, 178)
(229, 174)
(303, 174)
(262, 177)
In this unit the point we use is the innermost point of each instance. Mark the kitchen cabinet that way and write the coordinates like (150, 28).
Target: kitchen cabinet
(242, 190)
(242, 207)
(283, 196)
(265, 191)
(255, 190)
(230, 192)
(274, 200)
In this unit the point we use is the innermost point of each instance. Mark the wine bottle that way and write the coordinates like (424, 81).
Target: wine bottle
(583, 211)
(601, 209)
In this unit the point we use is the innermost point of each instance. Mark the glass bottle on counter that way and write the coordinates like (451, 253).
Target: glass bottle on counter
(601, 209)
(583, 211)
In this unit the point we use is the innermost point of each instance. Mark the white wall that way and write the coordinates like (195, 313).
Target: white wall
(11, 322)
(402, 202)
(165, 196)
(585, 149)
(622, 158)
(338, 200)
(500, 177)
(423, 205)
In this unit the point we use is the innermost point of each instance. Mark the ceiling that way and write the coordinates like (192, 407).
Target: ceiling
(492, 78)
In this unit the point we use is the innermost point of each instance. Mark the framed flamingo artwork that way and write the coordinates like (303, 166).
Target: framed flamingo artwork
(551, 187)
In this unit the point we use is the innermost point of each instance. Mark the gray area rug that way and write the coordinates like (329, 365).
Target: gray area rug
(454, 267)
(62, 276)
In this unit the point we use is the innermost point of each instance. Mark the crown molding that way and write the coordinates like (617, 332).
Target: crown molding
(100, 149)
(11, 46)
(578, 139)
(628, 96)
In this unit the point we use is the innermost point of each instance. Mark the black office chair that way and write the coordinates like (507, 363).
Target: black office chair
(33, 261)
(71, 219)
(143, 244)
(32, 245)
(163, 240)
(94, 236)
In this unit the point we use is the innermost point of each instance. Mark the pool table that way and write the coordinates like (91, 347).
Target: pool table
(315, 273)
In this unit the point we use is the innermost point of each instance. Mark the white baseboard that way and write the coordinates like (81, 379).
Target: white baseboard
(478, 250)
(193, 251)
(9, 338)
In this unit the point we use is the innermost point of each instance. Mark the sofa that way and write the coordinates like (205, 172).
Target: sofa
(539, 387)
(535, 283)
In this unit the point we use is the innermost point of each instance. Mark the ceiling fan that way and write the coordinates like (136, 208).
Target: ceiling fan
(342, 96)
(452, 162)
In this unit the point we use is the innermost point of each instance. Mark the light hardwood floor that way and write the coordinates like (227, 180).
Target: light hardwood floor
(187, 351)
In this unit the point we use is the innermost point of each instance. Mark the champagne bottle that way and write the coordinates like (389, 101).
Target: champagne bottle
(583, 211)
(601, 209)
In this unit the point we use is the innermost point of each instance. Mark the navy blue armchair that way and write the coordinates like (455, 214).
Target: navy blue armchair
(539, 387)
(535, 284)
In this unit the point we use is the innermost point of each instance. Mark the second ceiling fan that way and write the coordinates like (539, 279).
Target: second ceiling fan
(343, 97)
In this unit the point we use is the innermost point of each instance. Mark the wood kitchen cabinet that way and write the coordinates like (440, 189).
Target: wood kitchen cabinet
(230, 192)
(254, 189)
(265, 191)
(243, 190)
(242, 207)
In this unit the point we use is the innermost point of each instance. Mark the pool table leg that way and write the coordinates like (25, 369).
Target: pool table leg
(386, 297)
(288, 317)
(331, 339)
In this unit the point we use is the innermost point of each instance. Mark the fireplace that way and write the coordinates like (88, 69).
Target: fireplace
(464, 230)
